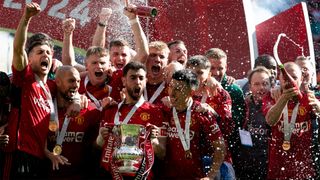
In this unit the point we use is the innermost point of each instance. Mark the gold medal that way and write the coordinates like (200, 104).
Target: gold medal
(57, 150)
(188, 154)
(53, 126)
(286, 145)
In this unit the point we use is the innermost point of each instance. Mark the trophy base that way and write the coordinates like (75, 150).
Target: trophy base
(128, 167)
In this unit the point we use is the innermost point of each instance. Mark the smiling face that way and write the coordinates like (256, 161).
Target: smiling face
(40, 59)
(134, 82)
(218, 67)
(97, 67)
(307, 71)
(260, 85)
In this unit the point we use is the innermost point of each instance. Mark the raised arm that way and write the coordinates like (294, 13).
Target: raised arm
(20, 58)
(99, 37)
(140, 38)
(68, 55)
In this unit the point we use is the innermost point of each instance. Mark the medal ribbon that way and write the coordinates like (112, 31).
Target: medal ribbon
(63, 131)
(155, 94)
(94, 99)
(288, 127)
(53, 116)
(183, 136)
(204, 98)
(130, 114)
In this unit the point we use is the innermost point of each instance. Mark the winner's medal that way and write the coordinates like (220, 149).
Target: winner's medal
(184, 135)
(288, 127)
(286, 145)
(188, 154)
(57, 150)
(53, 126)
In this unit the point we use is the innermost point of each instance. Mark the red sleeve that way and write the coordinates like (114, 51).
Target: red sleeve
(210, 128)
(226, 122)
(267, 103)
(19, 77)
(117, 85)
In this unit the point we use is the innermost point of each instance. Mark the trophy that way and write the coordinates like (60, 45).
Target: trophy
(130, 153)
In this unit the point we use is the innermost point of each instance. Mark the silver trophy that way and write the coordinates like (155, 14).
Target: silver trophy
(127, 154)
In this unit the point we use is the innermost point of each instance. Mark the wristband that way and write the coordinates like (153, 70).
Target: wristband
(101, 24)
(133, 21)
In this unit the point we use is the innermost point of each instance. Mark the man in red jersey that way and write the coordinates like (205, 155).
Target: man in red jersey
(156, 64)
(190, 134)
(217, 102)
(133, 109)
(290, 147)
(76, 135)
(30, 73)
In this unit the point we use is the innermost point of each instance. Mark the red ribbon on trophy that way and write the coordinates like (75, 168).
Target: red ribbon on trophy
(122, 153)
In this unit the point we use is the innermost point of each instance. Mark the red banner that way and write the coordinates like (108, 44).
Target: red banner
(202, 24)
(292, 23)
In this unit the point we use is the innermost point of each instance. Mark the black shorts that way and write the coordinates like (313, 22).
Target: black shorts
(26, 166)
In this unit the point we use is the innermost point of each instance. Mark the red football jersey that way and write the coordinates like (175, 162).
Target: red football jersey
(151, 89)
(146, 113)
(80, 136)
(35, 113)
(296, 163)
(203, 131)
(104, 90)
(222, 104)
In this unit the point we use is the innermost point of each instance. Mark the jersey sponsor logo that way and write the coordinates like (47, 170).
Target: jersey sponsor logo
(79, 120)
(76, 137)
(258, 131)
(299, 128)
(172, 132)
(42, 103)
(145, 116)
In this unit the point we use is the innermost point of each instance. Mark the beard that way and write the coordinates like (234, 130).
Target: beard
(134, 93)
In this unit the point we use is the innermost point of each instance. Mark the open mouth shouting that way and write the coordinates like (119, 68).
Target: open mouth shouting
(98, 73)
(156, 69)
(44, 64)
(119, 65)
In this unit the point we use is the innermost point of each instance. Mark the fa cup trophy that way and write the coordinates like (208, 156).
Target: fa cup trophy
(128, 151)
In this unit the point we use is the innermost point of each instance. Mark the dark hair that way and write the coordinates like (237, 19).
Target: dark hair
(4, 79)
(199, 61)
(133, 65)
(172, 43)
(118, 43)
(263, 60)
(188, 77)
(38, 39)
